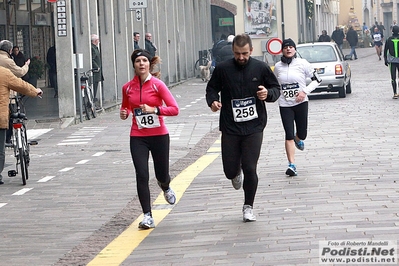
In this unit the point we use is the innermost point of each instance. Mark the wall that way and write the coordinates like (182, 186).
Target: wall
(180, 29)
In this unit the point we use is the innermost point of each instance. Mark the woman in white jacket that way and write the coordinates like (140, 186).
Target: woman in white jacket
(291, 73)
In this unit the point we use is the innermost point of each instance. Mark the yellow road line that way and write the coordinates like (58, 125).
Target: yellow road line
(122, 246)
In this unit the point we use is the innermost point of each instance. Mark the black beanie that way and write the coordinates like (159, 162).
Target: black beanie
(288, 42)
(395, 30)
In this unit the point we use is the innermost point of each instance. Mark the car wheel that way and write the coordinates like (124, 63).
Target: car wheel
(349, 88)
(342, 92)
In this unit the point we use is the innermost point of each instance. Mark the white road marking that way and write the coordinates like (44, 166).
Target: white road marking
(99, 153)
(72, 143)
(82, 136)
(70, 140)
(22, 191)
(66, 169)
(46, 178)
(82, 162)
(3, 204)
(34, 133)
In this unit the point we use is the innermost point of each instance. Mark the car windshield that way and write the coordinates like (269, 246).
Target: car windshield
(317, 53)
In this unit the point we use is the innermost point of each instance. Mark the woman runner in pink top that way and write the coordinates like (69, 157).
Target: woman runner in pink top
(143, 97)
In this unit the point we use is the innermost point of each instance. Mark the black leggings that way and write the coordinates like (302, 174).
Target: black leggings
(393, 67)
(242, 152)
(299, 114)
(139, 149)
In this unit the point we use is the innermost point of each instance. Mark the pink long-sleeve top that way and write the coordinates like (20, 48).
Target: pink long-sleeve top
(154, 93)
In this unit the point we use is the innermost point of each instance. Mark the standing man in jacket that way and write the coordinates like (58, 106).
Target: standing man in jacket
(351, 37)
(96, 62)
(149, 45)
(239, 88)
(338, 37)
(136, 39)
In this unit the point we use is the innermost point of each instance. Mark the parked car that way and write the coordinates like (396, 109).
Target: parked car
(330, 64)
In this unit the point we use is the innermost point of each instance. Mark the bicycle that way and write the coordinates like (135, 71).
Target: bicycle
(20, 141)
(87, 93)
(204, 60)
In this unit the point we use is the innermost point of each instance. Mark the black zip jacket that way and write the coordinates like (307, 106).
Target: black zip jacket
(234, 81)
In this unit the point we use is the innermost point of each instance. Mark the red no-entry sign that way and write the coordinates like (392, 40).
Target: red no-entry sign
(273, 46)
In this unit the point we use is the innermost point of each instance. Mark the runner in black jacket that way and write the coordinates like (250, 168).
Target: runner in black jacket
(239, 88)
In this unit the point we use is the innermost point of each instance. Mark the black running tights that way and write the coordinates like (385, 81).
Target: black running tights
(139, 149)
(299, 114)
(242, 152)
(393, 67)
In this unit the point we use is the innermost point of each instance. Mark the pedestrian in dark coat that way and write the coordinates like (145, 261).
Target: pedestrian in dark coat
(324, 37)
(52, 70)
(149, 45)
(96, 62)
(351, 37)
(338, 37)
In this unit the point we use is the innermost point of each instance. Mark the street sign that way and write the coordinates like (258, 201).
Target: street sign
(273, 46)
(139, 14)
(137, 4)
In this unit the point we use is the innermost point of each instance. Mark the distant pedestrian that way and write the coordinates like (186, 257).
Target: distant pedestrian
(378, 39)
(96, 63)
(324, 37)
(391, 57)
(364, 28)
(338, 37)
(148, 100)
(393, 24)
(351, 37)
(149, 45)
(136, 39)
(8, 82)
(381, 27)
(226, 52)
(19, 59)
(239, 88)
(52, 70)
(216, 48)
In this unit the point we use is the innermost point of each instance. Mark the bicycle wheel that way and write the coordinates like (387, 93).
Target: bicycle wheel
(22, 164)
(200, 62)
(21, 156)
(91, 101)
(86, 104)
(25, 146)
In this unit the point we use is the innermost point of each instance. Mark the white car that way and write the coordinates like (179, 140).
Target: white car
(330, 64)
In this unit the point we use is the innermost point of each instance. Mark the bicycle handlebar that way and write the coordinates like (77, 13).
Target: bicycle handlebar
(93, 70)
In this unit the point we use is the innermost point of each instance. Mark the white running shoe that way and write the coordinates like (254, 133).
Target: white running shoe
(247, 214)
(147, 222)
(170, 196)
(237, 181)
